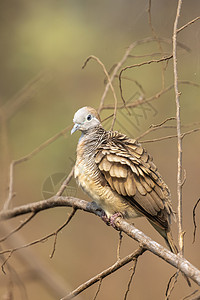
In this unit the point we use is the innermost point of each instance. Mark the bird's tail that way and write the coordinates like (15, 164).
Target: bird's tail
(170, 242)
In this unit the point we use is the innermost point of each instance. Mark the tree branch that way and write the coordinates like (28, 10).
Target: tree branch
(105, 273)
(178, 262)
(179, 138)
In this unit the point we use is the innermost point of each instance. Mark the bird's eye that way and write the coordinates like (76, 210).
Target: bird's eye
(89, 117)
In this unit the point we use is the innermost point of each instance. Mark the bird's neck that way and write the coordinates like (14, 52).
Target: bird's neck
(92, 138)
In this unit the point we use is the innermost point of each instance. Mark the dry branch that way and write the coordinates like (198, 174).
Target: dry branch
(109, 81)
(178, 262)
(187, 24)
(179, 138)
(27, 157)
(116, 266)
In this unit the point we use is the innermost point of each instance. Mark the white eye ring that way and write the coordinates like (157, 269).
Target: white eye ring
(89, 117)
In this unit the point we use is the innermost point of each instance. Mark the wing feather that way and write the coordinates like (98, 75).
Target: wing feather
(130, 172)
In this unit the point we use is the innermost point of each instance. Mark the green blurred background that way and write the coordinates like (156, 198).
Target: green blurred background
(43, 47)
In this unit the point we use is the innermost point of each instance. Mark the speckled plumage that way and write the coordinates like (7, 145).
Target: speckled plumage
(119, 175)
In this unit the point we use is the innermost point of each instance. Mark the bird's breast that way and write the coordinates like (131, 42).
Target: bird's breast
(91, 181)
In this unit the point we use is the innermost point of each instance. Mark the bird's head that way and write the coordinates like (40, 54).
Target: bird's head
(85, 118)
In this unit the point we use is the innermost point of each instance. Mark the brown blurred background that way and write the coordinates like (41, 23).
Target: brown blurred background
(43, 47)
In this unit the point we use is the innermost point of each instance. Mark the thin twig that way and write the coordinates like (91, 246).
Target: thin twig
(65, 183)
(26, 221)
(158, 41)
(155, 127)
(109, 82)
(119, 65)
(171, 137)
(98, 290)
(119, 245)
(187, 24)
(179, 138)
(170, 286)
(59, 229)
(43, 239)
(154, 97)
(105, 273)
(27, 157)
(131, 278)
(194, 220)
(139, 65)
(26, 93)
(192, 294)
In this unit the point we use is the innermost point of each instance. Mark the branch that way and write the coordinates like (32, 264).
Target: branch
(179, 138)
(178, 262)
(109, 82)
(139, 65)
(26, 93)
(154, 97)
(27, 157)
(187, 24)
(105, 273)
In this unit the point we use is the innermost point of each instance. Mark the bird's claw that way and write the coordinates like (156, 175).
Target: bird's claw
(110, 221)
(113, 218)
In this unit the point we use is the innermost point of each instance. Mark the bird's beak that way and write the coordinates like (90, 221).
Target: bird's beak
(75, 128)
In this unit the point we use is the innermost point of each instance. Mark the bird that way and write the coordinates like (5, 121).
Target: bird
(120, 176)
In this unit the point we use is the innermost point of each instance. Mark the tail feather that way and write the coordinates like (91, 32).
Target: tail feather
(170, 242)
(167, 235)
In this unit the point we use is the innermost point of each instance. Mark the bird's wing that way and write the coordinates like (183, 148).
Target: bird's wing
(130, 171)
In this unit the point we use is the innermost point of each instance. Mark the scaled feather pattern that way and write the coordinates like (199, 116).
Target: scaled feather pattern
(119, 174)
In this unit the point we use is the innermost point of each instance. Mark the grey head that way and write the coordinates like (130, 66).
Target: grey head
(85, 118)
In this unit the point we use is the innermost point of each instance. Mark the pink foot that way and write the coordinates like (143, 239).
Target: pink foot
(113, 219)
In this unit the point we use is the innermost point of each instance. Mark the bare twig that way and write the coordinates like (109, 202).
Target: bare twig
(37, 268)
(26, 93)
(179, 138)
(65, 183)
(139, 65)
(158, 41)
(171, 285)
(171, 137)
(154, 97)
(119, 65)
(98, 290)
(59, 229)
(131, 278)
(105, 273)
(43, 239)
(190, 295)
(109, 81)
(194, 220)
(119, 245)
(126, 56)
(187, 24)
(27, 220)
(27, 157)
(155, 127)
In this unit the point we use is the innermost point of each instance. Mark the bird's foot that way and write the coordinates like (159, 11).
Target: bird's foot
(113, 218)
(110, 221)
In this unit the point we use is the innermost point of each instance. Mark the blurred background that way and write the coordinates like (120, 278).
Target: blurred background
(43, 47)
